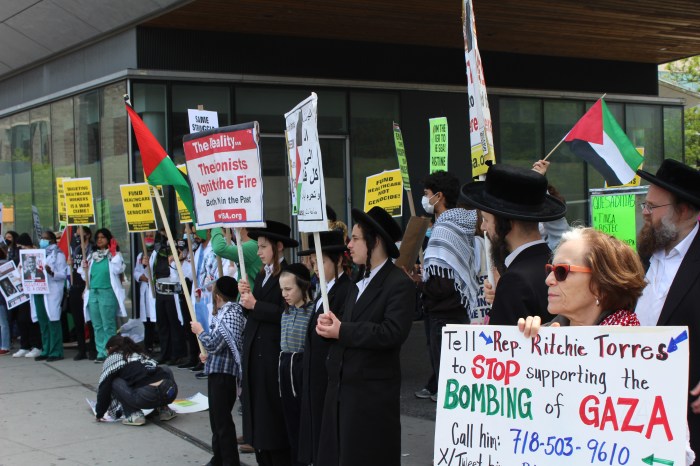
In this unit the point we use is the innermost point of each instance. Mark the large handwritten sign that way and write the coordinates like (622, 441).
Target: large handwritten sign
(615, 215)
(202, 120)
(307, 187)
(576, 395)
(386, 191)
(80, 208)
(224, 168)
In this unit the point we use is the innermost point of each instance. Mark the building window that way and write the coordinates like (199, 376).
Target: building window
(42, 168)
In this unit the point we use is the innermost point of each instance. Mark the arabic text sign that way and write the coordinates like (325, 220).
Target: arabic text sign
(438, 144)
(11, 285)
(224, 168)
(401, 155)
(80, 209)
(576, 395)
(302, 142)
(138, 207)
(202, 120)
(386, 191)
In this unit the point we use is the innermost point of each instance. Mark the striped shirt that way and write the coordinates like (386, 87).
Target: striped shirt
(295, 322)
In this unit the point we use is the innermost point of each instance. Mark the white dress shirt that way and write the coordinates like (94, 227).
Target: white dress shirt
(511, 257)
(362, 284)
(329, 285)
(662, 271)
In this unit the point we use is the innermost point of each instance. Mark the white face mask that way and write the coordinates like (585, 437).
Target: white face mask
(427, 206)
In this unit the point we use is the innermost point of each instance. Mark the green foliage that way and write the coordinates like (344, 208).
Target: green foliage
(686, 73)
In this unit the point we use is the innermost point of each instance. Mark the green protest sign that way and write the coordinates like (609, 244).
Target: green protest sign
(615, 214)
(401, 155)
(438, 144)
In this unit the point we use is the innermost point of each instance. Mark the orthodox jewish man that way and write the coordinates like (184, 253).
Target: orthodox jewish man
(361, 424)
(513, 201)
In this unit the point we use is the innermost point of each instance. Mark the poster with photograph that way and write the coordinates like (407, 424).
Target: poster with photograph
(31, 264)
(11, 285)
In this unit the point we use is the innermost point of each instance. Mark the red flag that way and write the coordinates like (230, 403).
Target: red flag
(64, 242)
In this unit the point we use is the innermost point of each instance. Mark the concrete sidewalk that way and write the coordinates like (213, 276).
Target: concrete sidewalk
(45, 420)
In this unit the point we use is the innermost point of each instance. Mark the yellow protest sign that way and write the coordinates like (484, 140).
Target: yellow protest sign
(80, 208)
(61, 199)
(138, 207)
(385, 190)
(185, 216)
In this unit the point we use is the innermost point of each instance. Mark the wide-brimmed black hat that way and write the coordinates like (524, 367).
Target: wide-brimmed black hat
(331, 241)
(298, 270)
(677, 178)
(227, 286)
(274, 231)
(514, 193)
(381, 222)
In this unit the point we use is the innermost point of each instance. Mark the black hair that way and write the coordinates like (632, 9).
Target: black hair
(14, 236)
(51, 235)
(337, 257)
(370, 237)
(107, 234)
(25, 240)
(445, 183)
(124, 345)
(499, 249)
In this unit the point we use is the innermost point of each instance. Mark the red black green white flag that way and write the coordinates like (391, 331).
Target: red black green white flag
(157, 165)
(598, 139)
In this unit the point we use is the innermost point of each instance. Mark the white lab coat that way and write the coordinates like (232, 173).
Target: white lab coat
(174, 277)
(116, 268)
(147, 301)
(52, 301)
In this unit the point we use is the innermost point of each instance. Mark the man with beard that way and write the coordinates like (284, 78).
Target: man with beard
(670, 243)
(513, 201)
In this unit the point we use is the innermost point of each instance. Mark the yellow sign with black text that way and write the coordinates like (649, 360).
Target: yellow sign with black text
(138, 207)
(385, 190)
(80, 208)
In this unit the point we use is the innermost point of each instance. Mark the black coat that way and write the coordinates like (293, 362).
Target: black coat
(315, 375)
(521, 290)
(681, 308)
(263, 421)
(361, 418)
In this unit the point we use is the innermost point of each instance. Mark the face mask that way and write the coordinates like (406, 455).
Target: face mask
(43, 243)
(427, 206)
(149, 243)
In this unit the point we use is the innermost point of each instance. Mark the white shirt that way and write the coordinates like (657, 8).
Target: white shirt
(329, 285)
(511, 257)
(662, 271)
(362, 284)
(268, 271)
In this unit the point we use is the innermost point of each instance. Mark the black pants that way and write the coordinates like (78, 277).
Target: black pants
(75, 304)
(29, 332)
(222, 397)
(273, 457)
(431, 384)
(290, 387)
(172, 345)
(149, 330)
(190, 338)
(147, 397)
(436, 325)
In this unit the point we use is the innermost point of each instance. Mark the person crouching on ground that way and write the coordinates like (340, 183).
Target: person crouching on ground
(224, 344)
(130, 382)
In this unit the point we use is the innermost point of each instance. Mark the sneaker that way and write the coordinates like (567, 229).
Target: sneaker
(166, 414)
(3, 352)
(135, 419)
(434, 397)
(21, 353)
(33, 353)
(201, 376)
(198, 368)
(423, 394)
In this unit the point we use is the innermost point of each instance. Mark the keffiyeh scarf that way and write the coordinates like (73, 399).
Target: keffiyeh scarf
(100, 254)
(229, 321)
(450, 252)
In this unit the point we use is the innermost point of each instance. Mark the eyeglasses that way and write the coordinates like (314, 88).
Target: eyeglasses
(646, 207)
(561, 271)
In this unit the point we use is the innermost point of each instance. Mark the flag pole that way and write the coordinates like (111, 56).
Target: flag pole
(148, 263)
(562, 139)
(241, 260)
(321, 272)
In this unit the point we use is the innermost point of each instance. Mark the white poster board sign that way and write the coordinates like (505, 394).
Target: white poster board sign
(577, 395)
(11, 285)
(202, 120)
(224, 169)
(32, 264)
(309, 192)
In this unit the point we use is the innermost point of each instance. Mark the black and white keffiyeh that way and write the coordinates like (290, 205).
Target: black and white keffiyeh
(229, 322)
(450, 252)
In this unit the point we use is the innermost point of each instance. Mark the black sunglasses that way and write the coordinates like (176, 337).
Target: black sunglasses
(561, 271)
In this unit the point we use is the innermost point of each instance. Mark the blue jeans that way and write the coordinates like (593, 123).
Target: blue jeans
(4, 328)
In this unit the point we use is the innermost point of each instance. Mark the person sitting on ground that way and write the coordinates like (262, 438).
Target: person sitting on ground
(131, 381)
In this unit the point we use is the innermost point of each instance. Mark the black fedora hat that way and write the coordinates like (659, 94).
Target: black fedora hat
(331, 241)
(514, 193)
(275, 231)
(381, 222)
(677, 178)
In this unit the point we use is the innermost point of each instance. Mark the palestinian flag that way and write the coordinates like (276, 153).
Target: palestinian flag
(157, 165)
(599, 140)
(64, 242)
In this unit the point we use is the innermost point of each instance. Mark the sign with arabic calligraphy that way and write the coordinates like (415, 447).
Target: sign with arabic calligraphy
(307, 185)
(224, 169)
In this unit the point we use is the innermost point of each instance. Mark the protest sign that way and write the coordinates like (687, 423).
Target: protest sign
(36, 223)
(138, 207)
(61, 200)
(31, 264)
(224, 168)
(303, 147)
(412, 242)
(438, 144)
(573, 395)
(480, 132)
(386, 191)
(80, 208)
(202, 120)
(11, 285)
(614, 211)
(184, 214)
(401, 156)
(479, 312)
